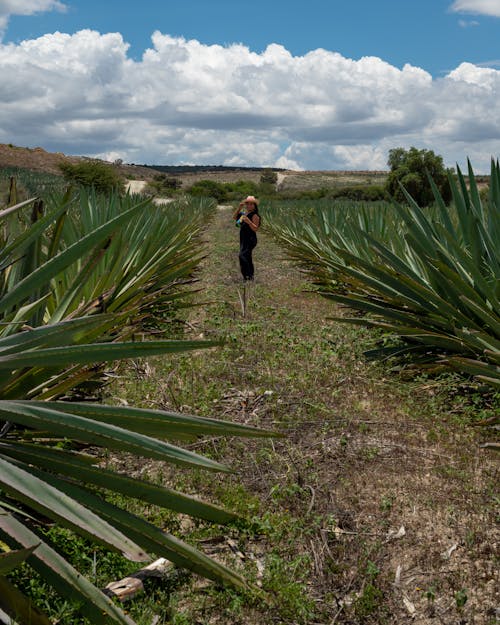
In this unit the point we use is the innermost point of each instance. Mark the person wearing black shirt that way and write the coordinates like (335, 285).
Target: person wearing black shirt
(248, 218)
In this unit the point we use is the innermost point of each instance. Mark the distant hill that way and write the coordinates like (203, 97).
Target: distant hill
(197, 169)
(38, 159)
(35, 159)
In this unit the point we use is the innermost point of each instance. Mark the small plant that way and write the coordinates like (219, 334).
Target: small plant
(461, 598)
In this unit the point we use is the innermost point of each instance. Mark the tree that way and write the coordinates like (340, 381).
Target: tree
(102, 177)
(269, 176)
(411, 169)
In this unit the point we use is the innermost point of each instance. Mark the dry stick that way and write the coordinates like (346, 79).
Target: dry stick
(313, 497)
(128, 587)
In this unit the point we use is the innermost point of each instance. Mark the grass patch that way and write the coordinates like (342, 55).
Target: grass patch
(363, 454)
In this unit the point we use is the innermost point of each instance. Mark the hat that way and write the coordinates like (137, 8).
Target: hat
(251, 199)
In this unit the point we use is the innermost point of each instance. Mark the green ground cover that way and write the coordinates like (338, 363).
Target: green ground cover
(377, 504)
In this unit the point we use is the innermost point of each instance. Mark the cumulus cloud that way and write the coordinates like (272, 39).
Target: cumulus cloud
(478, 7)
(186, 102)
(25, 7)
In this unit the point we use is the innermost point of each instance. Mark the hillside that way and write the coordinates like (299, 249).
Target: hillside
(38, 159)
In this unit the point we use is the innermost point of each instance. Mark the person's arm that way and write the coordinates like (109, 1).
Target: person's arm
(254, 223)
(236, 212)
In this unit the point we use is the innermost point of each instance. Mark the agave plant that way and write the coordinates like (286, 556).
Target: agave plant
(428, 276)
(142, 265)
(39, 479)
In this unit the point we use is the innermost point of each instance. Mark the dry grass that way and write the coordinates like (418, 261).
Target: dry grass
(377, 506)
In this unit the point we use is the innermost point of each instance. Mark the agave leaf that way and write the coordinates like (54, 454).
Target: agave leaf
(57, 264)
(152, 539)
(56, 505)
(17, 606)
(12, 209)
(74, 466)
(158, 423)
(70, 331)
(100, 352)
(19, 244)
(12, 559)
(61, 575)
(102, 434)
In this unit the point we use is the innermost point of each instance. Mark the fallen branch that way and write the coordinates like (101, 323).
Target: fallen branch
(130, 586)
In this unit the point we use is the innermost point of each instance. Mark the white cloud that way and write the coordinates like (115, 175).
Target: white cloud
(477, 7)
(467, 23)
(25, 7)
(186, 102)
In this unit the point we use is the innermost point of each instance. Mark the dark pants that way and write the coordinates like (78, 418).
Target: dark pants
(246, 263)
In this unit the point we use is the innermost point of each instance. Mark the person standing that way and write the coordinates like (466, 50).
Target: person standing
(248, 218)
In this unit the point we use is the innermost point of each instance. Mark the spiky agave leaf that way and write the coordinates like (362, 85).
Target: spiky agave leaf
(429, 276)
(43, 362)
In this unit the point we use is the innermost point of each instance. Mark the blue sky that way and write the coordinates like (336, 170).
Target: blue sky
(425, 33)
(317, 84)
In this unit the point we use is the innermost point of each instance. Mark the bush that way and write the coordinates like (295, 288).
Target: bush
(269, 176)
(102, 177)
(209, 188)
(224, 191)
(372, 193)
(163, 185)
(411, 169)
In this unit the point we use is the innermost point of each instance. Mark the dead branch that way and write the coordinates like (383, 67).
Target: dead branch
(128, 587)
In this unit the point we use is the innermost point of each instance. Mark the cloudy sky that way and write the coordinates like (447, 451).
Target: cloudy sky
(303, 84)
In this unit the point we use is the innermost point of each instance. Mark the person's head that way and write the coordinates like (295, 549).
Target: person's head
(251, 203)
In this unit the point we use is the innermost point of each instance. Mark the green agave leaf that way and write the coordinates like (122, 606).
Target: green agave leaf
(151, 538)
(486, 315)
(61, 575)
(57, 264)
(70, 331)
(12, 559)
(17, 606)
(100, 352)
(477, 368)
(79, 428)
(158, 423)
(56, 505)
(19, 244)
(72, 466)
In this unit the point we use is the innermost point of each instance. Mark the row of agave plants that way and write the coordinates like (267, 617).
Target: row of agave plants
(82, 278)
(430, 277)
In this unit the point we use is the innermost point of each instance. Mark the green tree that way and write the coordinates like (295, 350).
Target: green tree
(102, 177)
(411, 168)
(268, 176)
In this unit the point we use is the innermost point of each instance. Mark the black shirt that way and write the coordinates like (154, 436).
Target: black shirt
(246, 233)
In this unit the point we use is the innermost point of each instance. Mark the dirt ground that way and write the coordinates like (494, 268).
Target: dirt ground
(382, 506)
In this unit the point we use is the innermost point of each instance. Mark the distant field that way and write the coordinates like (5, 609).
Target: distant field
(306, 180)
(292, 180)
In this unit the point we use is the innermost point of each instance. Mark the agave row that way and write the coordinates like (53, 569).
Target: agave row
(75, 284)
(429, 276)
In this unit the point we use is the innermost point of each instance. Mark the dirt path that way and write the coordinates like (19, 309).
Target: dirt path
(135, 186)
(377, 505)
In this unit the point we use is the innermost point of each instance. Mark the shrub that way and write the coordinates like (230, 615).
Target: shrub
(269, 176)
(164, 185)
(209, 188)
(102, 177)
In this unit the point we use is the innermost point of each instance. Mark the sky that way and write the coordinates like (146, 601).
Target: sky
(309, 84)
